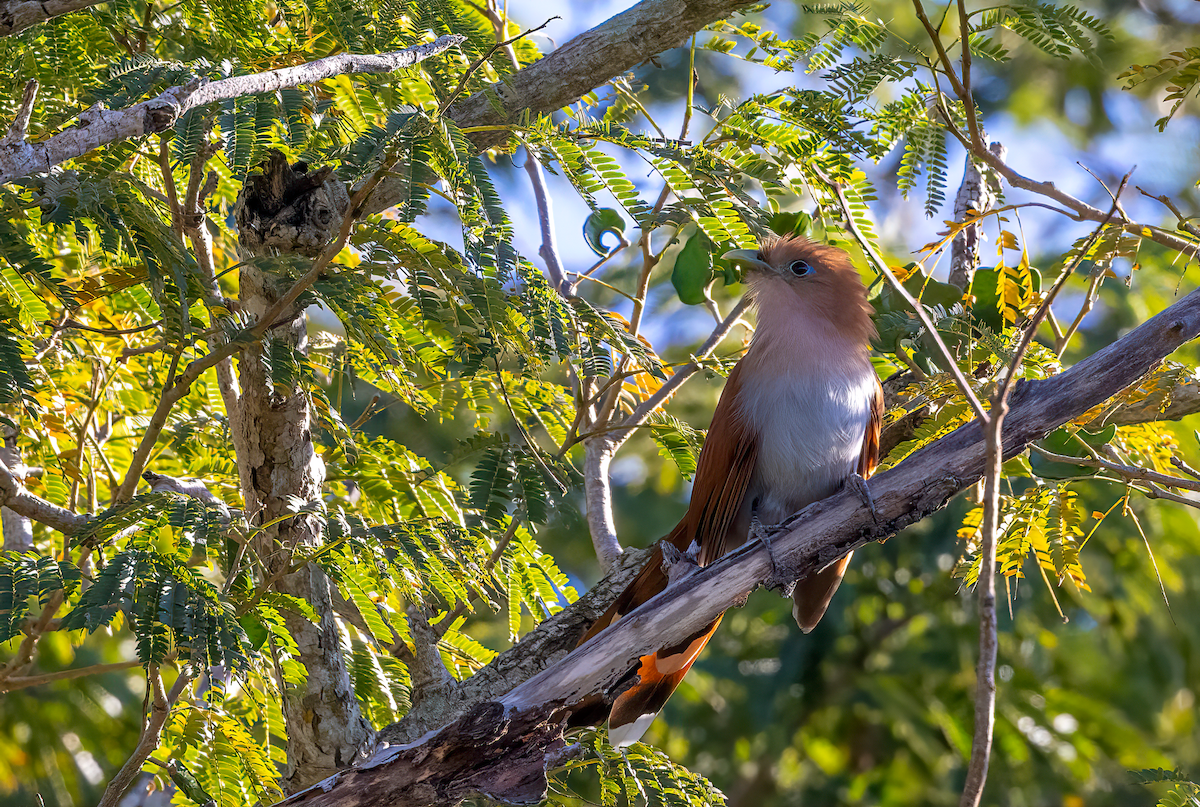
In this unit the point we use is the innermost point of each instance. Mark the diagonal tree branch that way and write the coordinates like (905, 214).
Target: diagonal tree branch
(810, 540)
(17, 15)
(17, 498)
(573, 70)
(99, 126)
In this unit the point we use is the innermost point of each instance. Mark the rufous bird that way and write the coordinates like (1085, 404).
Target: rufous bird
(799, 417)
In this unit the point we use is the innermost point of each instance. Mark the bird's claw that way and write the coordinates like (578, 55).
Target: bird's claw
(678, 564)
(863, 491)
(776, 582)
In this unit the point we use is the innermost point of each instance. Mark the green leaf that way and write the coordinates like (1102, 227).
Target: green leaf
(693, 272)
(595, 226)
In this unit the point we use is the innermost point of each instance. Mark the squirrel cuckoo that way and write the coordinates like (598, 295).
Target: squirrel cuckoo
(799, 417)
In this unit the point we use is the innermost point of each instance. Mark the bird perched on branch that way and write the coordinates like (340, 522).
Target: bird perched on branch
(799, 417)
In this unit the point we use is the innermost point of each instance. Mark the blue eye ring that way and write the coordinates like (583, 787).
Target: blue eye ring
(800, 268)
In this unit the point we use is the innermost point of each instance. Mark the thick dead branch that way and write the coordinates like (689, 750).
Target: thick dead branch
(491, 752)
(98, 126)
(546, 644)
(808, 541)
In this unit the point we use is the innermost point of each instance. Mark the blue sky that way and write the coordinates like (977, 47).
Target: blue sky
(1166, 163)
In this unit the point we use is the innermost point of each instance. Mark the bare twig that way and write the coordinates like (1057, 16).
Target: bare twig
(460, 607)
(25, 681)
(98, 126)
(948, 66)
(597, 489)
(78, 326)
(881, 266)
(656, 401)
(1185, 222)
(475, 65)
(549, 248)
(160, 708)
(985, 687)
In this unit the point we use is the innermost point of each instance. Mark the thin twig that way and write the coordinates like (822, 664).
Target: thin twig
(549, 247)
(882, 267)
(460, 607)
(462, 82)
(25, 681)
(78, 326)
(160, 708)
(533, 447)
(1128, 472)
(948, 67)
(985, 671)
(664, 393)
(1185, 222)
(168, 176)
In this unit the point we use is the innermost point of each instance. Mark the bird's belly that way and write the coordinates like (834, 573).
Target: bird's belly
(810, 438)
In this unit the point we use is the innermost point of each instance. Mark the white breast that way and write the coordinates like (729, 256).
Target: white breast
(810, 433)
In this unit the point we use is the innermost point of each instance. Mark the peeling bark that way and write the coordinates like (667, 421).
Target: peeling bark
(490, 752)
(326, 730)
(805, 543)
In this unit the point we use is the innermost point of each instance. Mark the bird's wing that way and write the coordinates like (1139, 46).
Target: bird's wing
(723, 474)
(869, 459)
(813, 594)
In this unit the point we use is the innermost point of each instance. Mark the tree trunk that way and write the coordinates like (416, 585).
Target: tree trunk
(326, 730)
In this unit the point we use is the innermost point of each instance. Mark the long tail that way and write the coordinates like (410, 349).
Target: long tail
(658, 673)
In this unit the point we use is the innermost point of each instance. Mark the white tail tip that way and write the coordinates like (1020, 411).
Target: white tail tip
(630, 733)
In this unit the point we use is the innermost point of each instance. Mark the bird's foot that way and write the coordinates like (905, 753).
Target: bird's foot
(677, 564)
(859, 485)
(784, 584)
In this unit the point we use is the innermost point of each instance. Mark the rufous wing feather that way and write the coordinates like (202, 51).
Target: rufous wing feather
(813, 594)
(722, 476)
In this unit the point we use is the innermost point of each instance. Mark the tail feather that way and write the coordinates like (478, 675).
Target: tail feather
(658, 676)
(812, 595)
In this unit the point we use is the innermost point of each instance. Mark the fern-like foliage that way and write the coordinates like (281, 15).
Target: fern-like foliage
(639, 774)
(167, 605)
(1058, 30)
(23, 577)
(1184, 791)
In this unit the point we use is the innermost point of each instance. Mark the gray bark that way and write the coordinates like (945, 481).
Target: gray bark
(273, 437)
(18, 529)
(975, 192)
(98, 126)
(526, 722)
(573, 70)
(17, 15)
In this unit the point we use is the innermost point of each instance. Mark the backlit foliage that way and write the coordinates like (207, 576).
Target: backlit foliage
(103, 302)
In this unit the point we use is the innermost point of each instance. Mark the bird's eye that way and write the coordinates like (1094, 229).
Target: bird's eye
(800, 268)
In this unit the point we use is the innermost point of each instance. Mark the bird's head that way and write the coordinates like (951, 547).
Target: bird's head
(795, 274)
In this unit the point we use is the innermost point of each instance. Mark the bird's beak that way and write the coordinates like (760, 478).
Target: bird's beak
(748, 258)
